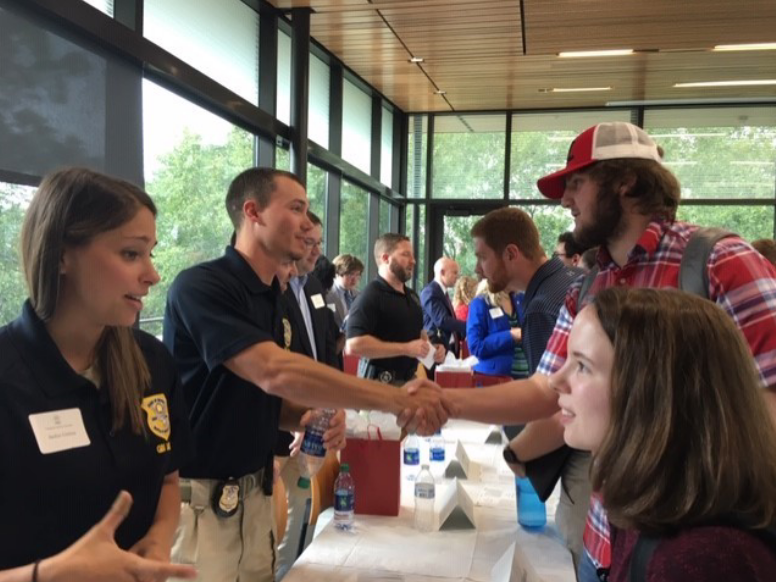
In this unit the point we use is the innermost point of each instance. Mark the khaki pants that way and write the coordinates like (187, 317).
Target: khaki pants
(574, 502)
(297, 504)
(240, 548)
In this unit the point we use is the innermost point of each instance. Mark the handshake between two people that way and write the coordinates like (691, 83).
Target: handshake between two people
(425, 407)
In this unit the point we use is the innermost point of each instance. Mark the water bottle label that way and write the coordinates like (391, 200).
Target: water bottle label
(411, 456)
(424, 490)
(437, 454)
(344, 501)
(312, 444)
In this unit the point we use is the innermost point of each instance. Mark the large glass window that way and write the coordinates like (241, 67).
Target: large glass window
(420, 257)
(458, 241)
(221, 39)
(550, 220)
(386, 148)
(105, 6)
(282, 158)
(191, 157)
(317, 186)
(357, 127)
(318, 107)
(64, 101)
(540, 144)
(469, 152)
(387, 217)
(354, 216)
(750, 222)
(283, 89)
(14, 200)
(722, 152)
(416, 156)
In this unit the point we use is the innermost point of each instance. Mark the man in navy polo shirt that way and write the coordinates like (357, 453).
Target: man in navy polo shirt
(227, 331)
(510, 256)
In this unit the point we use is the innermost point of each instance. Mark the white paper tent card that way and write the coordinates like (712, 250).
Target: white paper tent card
(462, 467)
(456, 509)
(495, 437)
(502, 570)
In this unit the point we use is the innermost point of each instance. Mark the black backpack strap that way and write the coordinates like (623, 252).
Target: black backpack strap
(693, 271)
(587, 282)
(641, 556)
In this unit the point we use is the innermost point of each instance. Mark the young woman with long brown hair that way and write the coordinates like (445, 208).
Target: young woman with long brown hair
(90, 408)
(663, 389)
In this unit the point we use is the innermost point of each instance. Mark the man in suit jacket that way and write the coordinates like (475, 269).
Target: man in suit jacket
(438, 314)
(311, 324)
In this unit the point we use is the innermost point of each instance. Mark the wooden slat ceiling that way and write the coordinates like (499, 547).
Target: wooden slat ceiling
(474, 50)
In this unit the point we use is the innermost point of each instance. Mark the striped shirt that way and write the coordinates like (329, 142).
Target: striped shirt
(741, 281)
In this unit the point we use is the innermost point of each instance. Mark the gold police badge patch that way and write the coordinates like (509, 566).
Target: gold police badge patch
(158, 415)
(287, 333)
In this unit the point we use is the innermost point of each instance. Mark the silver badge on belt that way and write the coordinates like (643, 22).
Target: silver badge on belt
(226, 498)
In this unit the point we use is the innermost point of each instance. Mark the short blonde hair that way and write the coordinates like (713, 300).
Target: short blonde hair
(494, 299)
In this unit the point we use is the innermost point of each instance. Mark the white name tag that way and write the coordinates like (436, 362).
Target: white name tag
(496, 312)
(318, 301)
(60, 430)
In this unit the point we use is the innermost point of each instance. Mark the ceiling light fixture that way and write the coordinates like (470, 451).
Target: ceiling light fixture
(440, 92)
(606, 53)
(578, 89)
(695, 101)
(743, 83)
(416, 59)
(759, 46)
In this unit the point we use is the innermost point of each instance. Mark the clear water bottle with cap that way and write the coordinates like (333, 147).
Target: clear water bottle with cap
(531, 511)
(436, 455)
(312, 453)
(425, 493)
(411, 456)
(344, 499)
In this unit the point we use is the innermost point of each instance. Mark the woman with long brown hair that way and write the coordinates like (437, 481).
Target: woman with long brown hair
(90, 408)
(662, 388)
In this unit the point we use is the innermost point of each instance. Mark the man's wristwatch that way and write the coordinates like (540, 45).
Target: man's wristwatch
(510, 456)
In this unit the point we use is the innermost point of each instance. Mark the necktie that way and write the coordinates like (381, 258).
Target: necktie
(348, 299)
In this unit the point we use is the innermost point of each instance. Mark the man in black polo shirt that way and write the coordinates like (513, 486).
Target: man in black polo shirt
(385, 325)
(227, 331)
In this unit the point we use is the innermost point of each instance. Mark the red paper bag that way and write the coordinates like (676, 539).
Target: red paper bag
(376, 468)
(454, 379)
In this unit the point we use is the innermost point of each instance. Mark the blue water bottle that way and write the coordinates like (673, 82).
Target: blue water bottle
(531, 511)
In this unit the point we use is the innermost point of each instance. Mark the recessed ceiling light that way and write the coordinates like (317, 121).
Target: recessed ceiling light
(760, 46)
(578, 89)
(416, 59)
(607, 53)
(745, 83)
(440, 92)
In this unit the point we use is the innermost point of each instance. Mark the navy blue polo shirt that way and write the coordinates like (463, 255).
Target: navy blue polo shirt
(47, 501)
(390, 316)
(545, 295)
(214, 311)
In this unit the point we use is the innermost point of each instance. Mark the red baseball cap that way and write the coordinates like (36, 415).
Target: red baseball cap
(605, 141)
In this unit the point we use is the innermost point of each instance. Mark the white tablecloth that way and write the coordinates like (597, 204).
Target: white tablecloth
(382, 549)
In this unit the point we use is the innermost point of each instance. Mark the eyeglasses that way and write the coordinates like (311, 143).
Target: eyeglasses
(557, 254)
(311, 243)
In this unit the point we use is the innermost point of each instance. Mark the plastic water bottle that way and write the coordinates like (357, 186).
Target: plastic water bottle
(344, 499)
(411, 456)
(425, 492)
(531, 511)
(312, 453)
(436, 455)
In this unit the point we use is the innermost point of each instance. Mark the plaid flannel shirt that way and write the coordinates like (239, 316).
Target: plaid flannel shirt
(741, 281)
